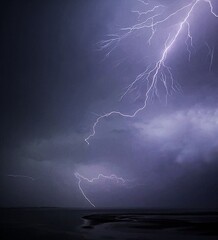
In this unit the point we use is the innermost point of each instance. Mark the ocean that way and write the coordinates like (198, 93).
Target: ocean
(105, 224)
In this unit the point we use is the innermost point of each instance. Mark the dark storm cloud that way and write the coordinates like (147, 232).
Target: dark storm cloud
(50, 74)
(47, 69)
(54, 85)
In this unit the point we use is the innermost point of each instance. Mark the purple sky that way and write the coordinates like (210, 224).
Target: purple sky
(55, 83)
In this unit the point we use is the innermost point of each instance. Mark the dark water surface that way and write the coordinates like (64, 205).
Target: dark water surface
(58, 223)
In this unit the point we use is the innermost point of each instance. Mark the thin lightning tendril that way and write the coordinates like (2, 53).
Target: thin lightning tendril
(211, 55)
(211, 60)
(113, 177)
(20, 176)
(158, 71)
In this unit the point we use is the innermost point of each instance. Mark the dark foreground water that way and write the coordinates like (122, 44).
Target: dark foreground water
(58, 223)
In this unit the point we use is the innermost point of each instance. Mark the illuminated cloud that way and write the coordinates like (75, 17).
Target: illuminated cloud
(192, 133)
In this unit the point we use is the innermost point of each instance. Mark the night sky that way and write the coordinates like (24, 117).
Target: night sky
(55, 83)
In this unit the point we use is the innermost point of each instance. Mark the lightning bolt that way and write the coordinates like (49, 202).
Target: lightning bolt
(210, 54)
(113, 177)
(157, 72)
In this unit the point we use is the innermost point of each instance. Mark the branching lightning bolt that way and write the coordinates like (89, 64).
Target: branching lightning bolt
(158, 71)
(113, 177)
